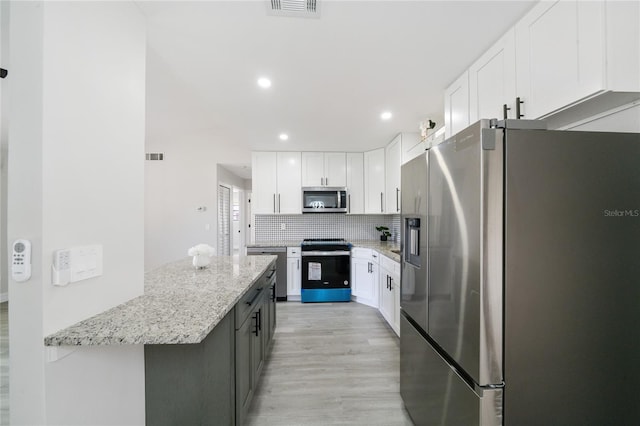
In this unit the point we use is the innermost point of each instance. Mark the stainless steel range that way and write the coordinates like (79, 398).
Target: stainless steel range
(326, 270)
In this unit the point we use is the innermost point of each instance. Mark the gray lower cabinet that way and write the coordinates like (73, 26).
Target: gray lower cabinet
(254, 332)
(192, 384)
(213, 382)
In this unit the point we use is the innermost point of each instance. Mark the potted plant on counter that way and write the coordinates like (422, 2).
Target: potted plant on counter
(384, 232)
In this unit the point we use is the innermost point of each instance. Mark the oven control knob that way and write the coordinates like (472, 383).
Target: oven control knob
(346, 282)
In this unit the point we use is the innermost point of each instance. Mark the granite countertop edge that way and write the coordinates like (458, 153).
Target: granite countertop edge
(170, 312)
(383, 247)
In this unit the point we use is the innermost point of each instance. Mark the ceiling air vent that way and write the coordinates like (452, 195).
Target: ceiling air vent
(154, 156)
(295, 8)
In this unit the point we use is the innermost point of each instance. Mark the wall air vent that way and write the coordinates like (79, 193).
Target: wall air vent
(154, 156)
(294, 8)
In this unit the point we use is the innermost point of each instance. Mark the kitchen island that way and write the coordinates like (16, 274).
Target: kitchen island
(205, 334)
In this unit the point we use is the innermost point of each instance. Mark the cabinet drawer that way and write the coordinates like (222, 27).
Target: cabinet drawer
(293, 251)
(361, 253)
(390, 265)
(251, 299)
(365, 253)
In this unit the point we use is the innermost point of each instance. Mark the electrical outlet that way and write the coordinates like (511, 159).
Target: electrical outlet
(283, 226)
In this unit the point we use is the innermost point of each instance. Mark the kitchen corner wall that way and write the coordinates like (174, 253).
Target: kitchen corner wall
(75, 177)
(324, 225)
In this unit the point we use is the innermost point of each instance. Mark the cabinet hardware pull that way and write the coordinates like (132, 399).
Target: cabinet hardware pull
(279, 210)
(274, 202)
(326, 181)
(250, 302)
(504, 111)
(298, 264)
(381, 204)
(255, 317)
(398, 199)
(349, 203)
(518, 102)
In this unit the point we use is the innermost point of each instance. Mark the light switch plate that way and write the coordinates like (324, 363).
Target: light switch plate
(76, 264)
(86, 262)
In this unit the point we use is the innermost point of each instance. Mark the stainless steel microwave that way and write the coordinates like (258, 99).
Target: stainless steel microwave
(324, 199)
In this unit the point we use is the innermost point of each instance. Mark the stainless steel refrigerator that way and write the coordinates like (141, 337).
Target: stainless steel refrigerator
(520, 287)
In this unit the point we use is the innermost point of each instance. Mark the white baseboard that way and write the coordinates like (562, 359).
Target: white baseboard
(4, 297)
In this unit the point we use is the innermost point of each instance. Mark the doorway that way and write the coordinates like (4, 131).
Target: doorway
(224, 220)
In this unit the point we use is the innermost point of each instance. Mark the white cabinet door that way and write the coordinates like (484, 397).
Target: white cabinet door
(560, 56)
(360, 277)
(289, 198)
(412, 146)
(335, 169)
(374, 185)
(264, 178)
(492, 81)
(364, 276)
(387, 299)
(390, 292)
(456, 105)
(294, 276)
(623, 50)
(355, 182)
(393, 160)
(313, 169)
(324, 169)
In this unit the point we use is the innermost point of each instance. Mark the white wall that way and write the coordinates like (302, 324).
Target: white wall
(186, 179)
(76, 177)
(174, 189)
(4, 129)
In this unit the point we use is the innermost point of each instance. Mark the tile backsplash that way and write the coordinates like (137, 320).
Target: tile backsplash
(324, 225)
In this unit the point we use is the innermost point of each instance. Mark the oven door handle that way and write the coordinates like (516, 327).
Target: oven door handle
(326, 253)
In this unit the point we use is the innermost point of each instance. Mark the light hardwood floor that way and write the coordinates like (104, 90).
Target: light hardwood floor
(4, 363)
(331, 364)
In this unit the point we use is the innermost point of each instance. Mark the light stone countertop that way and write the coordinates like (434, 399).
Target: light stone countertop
(383, 247)
(180, 305)
(262, 244)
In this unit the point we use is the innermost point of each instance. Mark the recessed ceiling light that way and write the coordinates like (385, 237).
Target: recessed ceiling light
(385, 115)
(284, 136)
(264, 82)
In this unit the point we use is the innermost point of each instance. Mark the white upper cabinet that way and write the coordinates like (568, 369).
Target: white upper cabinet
(276, 178)
(264, 182)
(289, 188)
(393, 160)
(312, 169)
(324, 169)
(492, 81)
(569, 52)
(560, 58)
(565, 61)
(374, 184)
(456, 105)
(355, 182)
(412, 146)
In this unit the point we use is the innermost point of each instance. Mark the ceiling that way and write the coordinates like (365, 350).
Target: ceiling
(332, 76)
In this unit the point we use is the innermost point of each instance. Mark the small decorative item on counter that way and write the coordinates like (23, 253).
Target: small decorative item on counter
(201, 255)
(384, 232)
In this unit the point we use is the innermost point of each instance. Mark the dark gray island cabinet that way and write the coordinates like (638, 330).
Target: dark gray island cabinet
(213, 382)
(205, 333)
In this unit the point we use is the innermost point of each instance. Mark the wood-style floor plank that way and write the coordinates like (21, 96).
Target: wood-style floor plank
(331, 364)
(4, 363)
